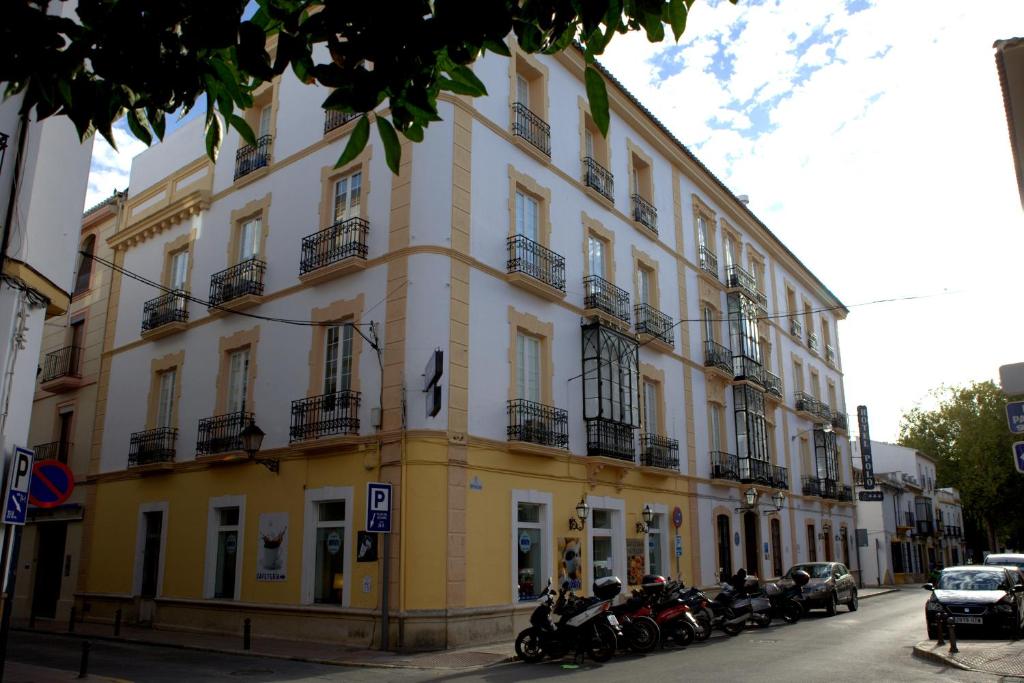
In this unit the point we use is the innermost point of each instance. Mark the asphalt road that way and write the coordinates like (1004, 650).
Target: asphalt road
(871, 645)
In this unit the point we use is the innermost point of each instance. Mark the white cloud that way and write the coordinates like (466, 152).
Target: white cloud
(886, 175)
(110, 167)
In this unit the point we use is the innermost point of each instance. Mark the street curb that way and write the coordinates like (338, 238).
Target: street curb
(932, 655)
(879, 593)
(267, 655)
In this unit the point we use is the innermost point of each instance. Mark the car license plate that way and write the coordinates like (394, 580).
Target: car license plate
(612, 620)
(968, 620)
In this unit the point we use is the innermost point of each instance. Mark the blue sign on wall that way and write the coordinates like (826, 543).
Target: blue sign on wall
(1018, 456)
(1015, 416)
(18, 481)
(378, 508)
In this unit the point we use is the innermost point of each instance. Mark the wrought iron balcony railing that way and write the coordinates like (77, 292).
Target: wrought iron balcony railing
(905, 519)
(796, 328)
(65, 362)
(725, 466)
(598, 177)
(237, 281)
(755, 471)
(326, 415)
(222, 433)
(252, 157)
(601, 295)
(645, 213)
(530, 127)
(807, 403)
(610, 439)
(811, 486)
(650, 320)
(844, 493)
(738, 278)
(169, 308)
(534, 259)
(825, 411)
(717, 356)
(773, 384)
(708, 261)
(537, 423)
(749, 369)
(925, 527)
(830, 354)
(659, 451)
(839, 421)
(55, 450)
(336, 119)
(780, 477)
(152, 446)
(345, 239)
(812, 341)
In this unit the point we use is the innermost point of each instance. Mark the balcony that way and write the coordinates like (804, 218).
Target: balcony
(165, 315)
(824, 488)
(536, 423)
(62, 370)
(253, 157)
(744, 368)
(755, 471)
(55, 450)
(725, 466)
(610, 439)
(334, 251)
(645, 213)
(241, 285)
(805, 403)
(655, 324)
(773, 385)
(603, 297)
(152, 447)
(533, 266)
(844, 493)
(830, 354)
(708, 261)
(738, 278)
(336, 119)
(780, 477)
(796, 328)
(717, 357)
(905, 520)
(599, 178)
(531, 128)
(925, 527)
(334, 414)
(812, 342)
(839, 422)
(222, 433)
(659, 451)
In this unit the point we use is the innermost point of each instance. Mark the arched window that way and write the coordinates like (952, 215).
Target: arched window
(85, 265)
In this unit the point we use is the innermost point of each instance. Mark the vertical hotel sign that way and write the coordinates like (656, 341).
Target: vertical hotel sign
(865, 447)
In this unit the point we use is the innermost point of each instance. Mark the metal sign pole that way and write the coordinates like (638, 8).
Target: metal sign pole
(12, 543)
(385, 589)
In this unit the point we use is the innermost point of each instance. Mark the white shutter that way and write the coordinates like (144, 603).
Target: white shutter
(264, 121)
(179, 269)
(644, 281)
(716, 429)
(331, 342)
(728, 251)
(248, 244)
(588, 143)
(166, 403)
(702, 232)
(345, 366)
(596, 249)
(650, 408)
(523, 90)
(238, 383)
(528, 368)
(527, 216)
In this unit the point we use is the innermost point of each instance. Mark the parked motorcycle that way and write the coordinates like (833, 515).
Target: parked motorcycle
(711, 614)
(673, 615)
(787, 600)
(584, 624)
(641, 632)
(746, 601)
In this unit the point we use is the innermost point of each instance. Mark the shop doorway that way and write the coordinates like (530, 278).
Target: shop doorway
(750, 521)
(151, 553)
(50, 539)
(828, 543)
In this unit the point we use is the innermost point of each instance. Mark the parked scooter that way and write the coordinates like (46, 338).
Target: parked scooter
(787, 600)
(641, 632)
(584, 624)
(673, 615)
(742, 595)
(711, 614)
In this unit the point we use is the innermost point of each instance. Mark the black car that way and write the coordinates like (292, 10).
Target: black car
(977, 597)
(831, 584)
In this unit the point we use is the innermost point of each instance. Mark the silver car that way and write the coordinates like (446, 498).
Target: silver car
(831, 584)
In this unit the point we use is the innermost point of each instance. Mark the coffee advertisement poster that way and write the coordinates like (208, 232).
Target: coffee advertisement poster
(272, 545)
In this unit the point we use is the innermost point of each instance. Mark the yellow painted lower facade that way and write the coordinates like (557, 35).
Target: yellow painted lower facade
(453, 571)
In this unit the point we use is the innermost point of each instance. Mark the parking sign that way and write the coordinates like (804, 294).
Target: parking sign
(378, 508)
(1018, 456)
(18, 481)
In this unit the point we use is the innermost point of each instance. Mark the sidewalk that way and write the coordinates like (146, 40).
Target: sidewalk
(999, 657)
(319, 653)
(16, 672)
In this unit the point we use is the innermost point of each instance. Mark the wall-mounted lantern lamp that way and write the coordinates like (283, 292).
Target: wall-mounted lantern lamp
(252, 439)
(778, 500)
(579, 522)
(645, 526)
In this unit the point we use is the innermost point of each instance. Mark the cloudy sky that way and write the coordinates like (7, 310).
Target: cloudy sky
(871, 138)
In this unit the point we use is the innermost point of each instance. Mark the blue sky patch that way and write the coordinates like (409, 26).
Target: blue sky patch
(668, 62)
(722, 63)
(854, 6)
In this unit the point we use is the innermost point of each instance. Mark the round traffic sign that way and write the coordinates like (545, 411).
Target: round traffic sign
(677, 517)
(52, 483)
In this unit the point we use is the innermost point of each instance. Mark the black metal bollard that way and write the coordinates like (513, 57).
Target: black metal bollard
(117, 622)
(942, 630)
(247, 635)
(953, 649)
(83, 665)
(71, 621)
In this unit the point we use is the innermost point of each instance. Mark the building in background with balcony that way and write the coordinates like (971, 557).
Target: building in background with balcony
(62, 423)
(906, 532)
(595, 359)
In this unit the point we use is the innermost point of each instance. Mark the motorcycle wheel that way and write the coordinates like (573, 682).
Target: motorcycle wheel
(528, 646)
(644, 634)
(705, 628)
(792, 611)
(762, 620)
(731, 629)
(602, 643)
(681, 632)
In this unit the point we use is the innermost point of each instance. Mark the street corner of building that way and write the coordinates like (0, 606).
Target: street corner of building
(996, 657)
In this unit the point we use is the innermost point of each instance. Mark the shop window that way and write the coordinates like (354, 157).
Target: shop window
(602, 547)
(227, 552)
(529, 540)
(655, 546)
(329, 573)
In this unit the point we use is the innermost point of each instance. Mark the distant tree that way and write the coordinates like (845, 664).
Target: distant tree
(149, 58)
(968, 435)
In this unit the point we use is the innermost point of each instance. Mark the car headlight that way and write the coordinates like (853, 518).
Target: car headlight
(933, 605)
(1003, 607)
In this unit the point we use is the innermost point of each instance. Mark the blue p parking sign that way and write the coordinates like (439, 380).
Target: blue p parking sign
(378, 508)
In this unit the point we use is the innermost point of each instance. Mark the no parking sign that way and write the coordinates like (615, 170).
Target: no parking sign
(52, 483)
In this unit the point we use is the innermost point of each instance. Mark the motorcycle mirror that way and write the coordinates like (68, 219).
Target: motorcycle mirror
(928, 587)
